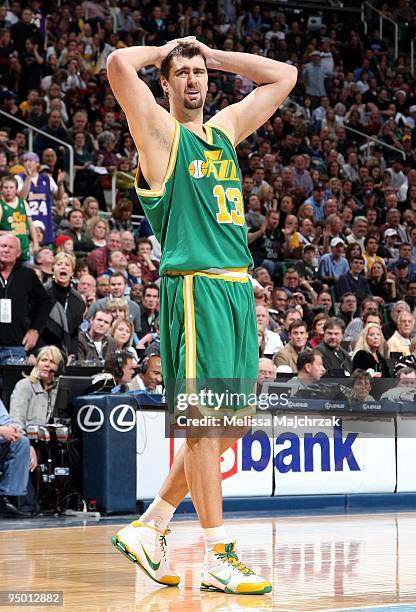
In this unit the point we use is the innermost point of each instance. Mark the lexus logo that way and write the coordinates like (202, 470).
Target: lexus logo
(90, 418)
(123, 418)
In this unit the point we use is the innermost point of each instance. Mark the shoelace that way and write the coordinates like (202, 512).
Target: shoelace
(163, 543)
(230, 556)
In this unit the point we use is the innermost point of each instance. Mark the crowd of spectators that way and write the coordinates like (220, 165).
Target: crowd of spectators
(331, 215)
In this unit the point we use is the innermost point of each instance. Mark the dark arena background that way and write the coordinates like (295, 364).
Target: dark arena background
(320, 492)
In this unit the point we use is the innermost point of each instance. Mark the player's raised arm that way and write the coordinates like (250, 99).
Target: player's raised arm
(275, 80)
(151, 126)
(132, 93)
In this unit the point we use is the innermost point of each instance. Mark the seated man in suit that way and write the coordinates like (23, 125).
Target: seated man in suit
(334, 358)
(298, 337)
(149, 377)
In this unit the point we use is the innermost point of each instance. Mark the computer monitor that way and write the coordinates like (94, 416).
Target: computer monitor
(68, 388)
(278, 392)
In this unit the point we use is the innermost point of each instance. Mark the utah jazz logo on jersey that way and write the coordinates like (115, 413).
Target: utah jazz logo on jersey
(214, 165)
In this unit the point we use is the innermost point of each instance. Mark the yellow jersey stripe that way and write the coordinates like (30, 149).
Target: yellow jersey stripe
(238, 275)
(171, 164)
(190, 333)
(209, 134)
(223, 130)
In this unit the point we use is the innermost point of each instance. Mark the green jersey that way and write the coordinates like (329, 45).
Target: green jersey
(15, 220)
(198, 214)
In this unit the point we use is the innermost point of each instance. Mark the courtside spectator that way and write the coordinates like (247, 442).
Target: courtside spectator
(399, 342)
(310, 370)
(95, 344)
(298, 338)
(335, 359)
(26, 305)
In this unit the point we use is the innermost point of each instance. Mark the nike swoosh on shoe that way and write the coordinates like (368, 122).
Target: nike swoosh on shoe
(224, 582)
(154, 566)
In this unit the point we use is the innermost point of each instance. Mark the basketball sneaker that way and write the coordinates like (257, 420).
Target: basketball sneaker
(223, 571)
(146, 546)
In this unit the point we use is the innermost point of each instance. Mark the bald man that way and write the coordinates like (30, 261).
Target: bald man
(24, 306)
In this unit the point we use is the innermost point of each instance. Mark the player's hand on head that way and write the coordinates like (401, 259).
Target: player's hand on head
(171, 44)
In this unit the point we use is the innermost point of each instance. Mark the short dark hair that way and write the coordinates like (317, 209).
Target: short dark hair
(144, 240)
(184, 50)
(289, 270)
(117, 274)
(370, 237)
(348, 294)
(150, 286)
(74, 210)
(334, 322)
(372, 313)
(103, 311)
(306, 357)
(116, 360)
(366, 300)
(296, 324)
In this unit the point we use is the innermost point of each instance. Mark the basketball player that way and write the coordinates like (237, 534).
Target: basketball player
(189, 185)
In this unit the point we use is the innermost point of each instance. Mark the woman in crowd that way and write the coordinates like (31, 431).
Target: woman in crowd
(335, 188)
(317, 332)
(33, 398)
(90, 208)
(370, 352)
(128, 149)
(118, 308)
(306, 212)
(66, 316)
(81, 269)
(96, 129)
(122, 331)
(121, 218)
(261, 337)
(125, 183)
(352, 250)
(411, 197)
(382, 284)
(97, 230)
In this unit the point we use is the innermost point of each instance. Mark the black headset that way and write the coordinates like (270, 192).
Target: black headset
(144, 363)
(118, 364)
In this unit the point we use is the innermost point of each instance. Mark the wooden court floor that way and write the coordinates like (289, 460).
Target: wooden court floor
(315, 563)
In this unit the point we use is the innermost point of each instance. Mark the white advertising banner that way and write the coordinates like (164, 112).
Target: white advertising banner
(152, 452)
(406, 437)
(326, 457)
(341, 456)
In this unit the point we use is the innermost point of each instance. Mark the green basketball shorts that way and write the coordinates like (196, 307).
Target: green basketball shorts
(208, 338)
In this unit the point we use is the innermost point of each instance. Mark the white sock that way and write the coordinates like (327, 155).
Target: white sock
(159, 511)
(212, 536)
